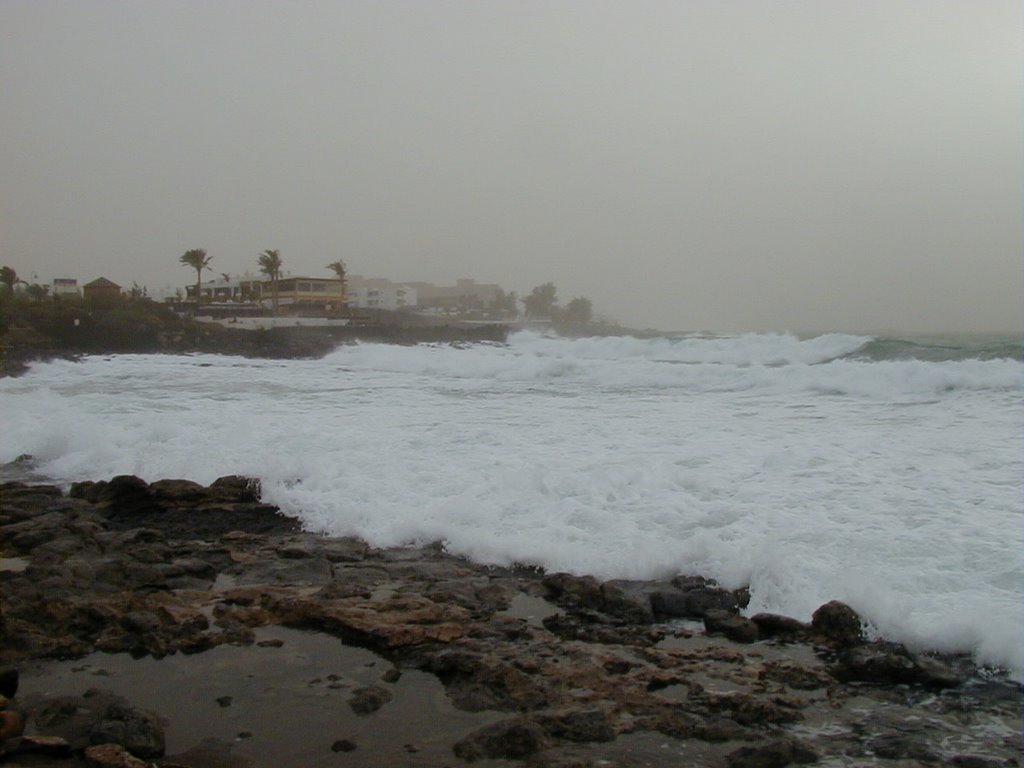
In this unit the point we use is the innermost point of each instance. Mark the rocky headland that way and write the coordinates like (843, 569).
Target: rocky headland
(174, 624)
(68, 328)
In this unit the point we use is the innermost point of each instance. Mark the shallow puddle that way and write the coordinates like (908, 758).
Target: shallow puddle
(288, 705)
(532, 610)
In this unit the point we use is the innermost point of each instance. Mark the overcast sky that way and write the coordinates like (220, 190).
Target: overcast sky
(687, 164)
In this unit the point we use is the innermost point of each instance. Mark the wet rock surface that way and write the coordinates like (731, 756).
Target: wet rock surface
(562, 669)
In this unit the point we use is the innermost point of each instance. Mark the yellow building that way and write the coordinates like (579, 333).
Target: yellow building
(299, 295)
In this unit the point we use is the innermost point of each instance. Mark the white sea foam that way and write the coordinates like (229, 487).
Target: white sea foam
(761, 459)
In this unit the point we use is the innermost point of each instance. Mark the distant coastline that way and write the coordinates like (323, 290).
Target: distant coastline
(32, 331)
(48, 330)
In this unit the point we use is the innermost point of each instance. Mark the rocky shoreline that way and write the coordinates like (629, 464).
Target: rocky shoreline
(281, 647)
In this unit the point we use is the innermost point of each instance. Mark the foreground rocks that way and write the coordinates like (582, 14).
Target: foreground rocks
(567, 669)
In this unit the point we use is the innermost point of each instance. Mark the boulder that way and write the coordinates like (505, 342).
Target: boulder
(892, 664)
(733, 626)
(567, 589)
(509, 739)
(626, 601)
(839, 623)
(577, 725)
(476, 682)
(123, 496)
(772, 754)
(237, 487)
(140, 733)
(693, 596)
(775, 625)
(902, 746)
(369, 699)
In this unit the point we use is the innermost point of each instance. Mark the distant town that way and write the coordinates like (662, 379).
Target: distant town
(274, 296)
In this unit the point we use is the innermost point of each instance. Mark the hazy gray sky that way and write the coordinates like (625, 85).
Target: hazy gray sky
(687, 164)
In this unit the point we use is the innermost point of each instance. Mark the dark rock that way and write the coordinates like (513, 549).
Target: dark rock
(125, 496)
(700, 601)
(838, 622)
(589, 627)
(582, 591)
(224, 701)
(669, 604)
(510, 739)
(733, 626)
(579, 725)
(237, 488)
(794, 675)
(975, 761)
(365, 701)
(933, 673)
(284, 570)
(345, 550)
(875, 665)
(772, 754)
(618, 666)
(9, 683)
(774, 625)
(686, 583)
(138, 732)
(692, 597)
(343, 745)
(901, 746)
(720, 729)
(53, 746)
(477, 682)
(392, 675)
(626, 601)
(892, 664)
(177, 491)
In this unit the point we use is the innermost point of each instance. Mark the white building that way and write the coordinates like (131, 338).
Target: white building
(65, 286)
(389, 296)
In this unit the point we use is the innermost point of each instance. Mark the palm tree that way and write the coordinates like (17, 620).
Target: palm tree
(338, 267)
(270, 265)
(198, 260)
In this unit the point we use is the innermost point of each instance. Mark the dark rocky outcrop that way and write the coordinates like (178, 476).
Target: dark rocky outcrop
(65, 327)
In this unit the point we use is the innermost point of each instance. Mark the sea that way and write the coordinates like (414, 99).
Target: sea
(885, 472)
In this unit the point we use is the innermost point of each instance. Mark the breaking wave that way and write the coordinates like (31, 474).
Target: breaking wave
(831, 467)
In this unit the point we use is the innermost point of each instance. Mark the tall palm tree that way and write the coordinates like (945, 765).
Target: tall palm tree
(198, 260)
(270, 265)
(338, 267)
